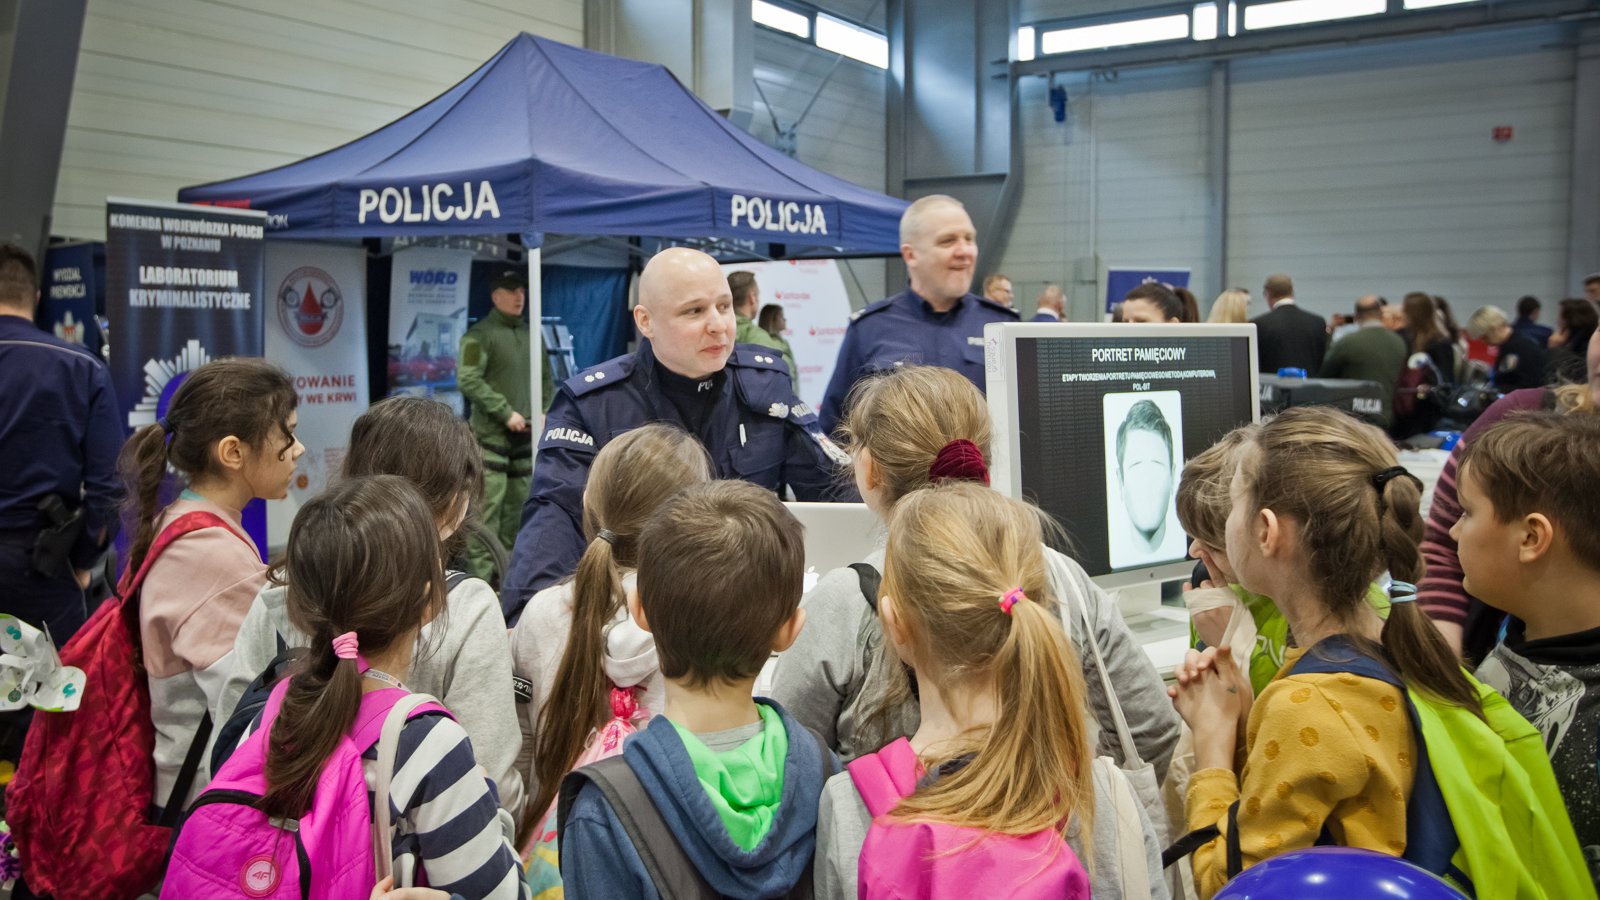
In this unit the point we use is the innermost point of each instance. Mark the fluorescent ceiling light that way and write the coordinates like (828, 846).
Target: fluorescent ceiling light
(1026, 43)
(1205, 21)
(1300, 12)
(1116, 34)
(780, 18)
(1429, 4)
(853, 41)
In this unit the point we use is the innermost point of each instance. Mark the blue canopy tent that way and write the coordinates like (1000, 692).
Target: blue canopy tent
(546, 137)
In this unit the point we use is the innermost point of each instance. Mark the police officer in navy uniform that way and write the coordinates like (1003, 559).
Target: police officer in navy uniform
(937, 321)
(737, 399)
(59, 438)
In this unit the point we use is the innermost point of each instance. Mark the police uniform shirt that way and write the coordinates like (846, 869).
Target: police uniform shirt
(753, 426)
(58, 414)
(906, 329)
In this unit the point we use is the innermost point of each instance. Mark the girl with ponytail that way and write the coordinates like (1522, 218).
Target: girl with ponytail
(1004, 767)
(229, 435)
(364, 577)
(911, 429)
(1320, 508)
(579, 658)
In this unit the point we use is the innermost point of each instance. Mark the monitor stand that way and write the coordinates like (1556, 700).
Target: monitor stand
(1162, 630)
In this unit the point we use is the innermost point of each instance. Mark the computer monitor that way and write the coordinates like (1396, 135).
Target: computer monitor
(1094, 422)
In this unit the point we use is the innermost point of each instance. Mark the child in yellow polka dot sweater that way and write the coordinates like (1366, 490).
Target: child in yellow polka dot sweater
(1319, 510)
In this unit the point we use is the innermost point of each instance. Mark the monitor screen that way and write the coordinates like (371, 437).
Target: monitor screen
(1093, 423)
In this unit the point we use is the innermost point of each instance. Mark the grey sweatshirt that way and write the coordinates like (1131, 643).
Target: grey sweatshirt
(828, 678)
(466, 665)
(843, 820)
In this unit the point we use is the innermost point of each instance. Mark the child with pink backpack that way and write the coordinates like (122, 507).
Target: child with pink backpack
(998, 792)
(349, 779)
(589, 676)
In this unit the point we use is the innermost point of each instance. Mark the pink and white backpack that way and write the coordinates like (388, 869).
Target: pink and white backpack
(932, 861)
(541, 858)
(227, 848)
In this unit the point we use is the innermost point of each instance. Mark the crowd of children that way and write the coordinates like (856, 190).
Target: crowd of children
(962, 713)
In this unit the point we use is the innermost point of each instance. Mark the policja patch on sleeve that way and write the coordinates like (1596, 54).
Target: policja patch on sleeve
(568, 437)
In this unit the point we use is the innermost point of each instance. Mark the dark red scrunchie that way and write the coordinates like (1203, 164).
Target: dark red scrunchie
(961, 460)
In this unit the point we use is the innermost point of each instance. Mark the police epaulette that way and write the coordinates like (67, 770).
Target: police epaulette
(594, 378)
(755, 356)
(871, 308)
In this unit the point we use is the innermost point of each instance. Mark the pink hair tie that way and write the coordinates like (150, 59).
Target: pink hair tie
(347, 646)
(1010, 598)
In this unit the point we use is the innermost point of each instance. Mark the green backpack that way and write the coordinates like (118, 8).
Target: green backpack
(1485, 811)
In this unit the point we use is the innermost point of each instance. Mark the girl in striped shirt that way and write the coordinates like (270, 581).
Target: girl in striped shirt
(363, 559)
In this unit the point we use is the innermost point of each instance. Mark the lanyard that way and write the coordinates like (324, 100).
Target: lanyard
(384, 677)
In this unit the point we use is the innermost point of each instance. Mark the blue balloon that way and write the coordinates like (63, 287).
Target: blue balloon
(1337, 873)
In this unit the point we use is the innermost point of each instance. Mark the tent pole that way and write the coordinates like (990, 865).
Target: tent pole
(536, 341)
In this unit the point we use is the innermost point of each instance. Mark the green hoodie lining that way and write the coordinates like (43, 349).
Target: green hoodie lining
(744, 784)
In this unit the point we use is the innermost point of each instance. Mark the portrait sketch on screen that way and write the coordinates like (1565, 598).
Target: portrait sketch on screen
(1144, 454)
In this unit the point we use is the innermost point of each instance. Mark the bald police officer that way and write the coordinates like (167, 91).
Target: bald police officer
(688, 371)
(937, 321)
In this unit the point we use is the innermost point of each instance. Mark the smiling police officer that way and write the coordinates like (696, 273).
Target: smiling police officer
(937, 321)
(737, 399)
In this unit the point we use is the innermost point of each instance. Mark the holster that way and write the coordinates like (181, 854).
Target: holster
(52, 549)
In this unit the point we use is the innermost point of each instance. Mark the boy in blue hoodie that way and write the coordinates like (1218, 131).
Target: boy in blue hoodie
(735, 780)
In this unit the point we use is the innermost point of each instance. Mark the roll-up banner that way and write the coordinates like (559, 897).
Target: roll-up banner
(816, 309)
(427, 317)
(316, 329)
(67, 300)
(1119, 281)
(184, 285)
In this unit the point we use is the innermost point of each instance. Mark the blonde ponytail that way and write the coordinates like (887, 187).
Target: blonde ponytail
(955, 553)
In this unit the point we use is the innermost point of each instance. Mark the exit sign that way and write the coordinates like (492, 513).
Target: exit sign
(1503, 133)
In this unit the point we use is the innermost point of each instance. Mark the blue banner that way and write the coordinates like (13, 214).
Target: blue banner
(1120, 281)
(68, 300)
(184, 285)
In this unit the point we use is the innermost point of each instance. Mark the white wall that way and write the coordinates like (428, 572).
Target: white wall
(845, 131)
(171, 93)
(1121, 183)
(1374, 171)
(1356, 170)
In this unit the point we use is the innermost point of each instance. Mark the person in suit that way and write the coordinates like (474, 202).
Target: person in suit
(1288, 336)
(1052, 305)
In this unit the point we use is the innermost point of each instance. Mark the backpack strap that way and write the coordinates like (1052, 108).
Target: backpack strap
(389, 727)
(172, 811)
(1431, 839)
(184, 524)
(671, 871)
(870, 579)
(454, 577)
(885, 778)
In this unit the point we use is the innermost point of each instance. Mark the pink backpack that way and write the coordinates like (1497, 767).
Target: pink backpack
(944, 862)
(541, 858)
(227, 848)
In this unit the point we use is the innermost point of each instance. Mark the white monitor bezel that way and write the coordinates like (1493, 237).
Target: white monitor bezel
(1000, 353)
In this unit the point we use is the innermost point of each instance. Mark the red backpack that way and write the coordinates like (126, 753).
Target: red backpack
(79, 806)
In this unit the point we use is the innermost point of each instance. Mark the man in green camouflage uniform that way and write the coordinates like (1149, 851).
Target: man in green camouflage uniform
(494, 372)
(746, 300)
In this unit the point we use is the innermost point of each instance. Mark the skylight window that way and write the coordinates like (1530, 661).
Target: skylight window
(1301, 12)
(853, 41)
(1116, 34)
(781, 18)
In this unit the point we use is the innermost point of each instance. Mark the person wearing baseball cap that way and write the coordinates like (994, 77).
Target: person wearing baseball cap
(494, 372)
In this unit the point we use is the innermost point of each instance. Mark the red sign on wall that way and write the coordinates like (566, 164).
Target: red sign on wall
(1502, 133)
